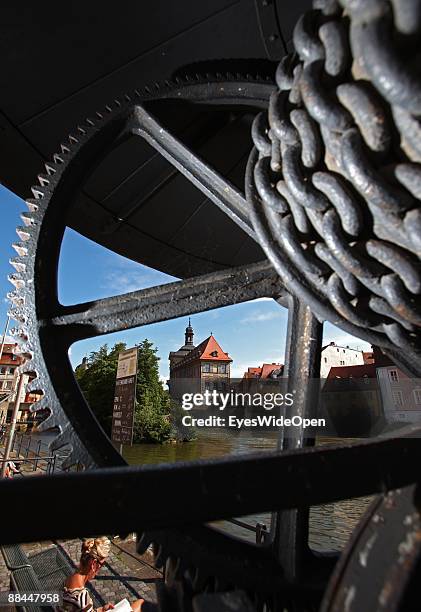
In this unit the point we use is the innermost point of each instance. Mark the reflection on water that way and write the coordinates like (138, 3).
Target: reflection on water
(330, 524)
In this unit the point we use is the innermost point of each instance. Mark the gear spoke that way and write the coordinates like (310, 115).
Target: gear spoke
(160, 303)
(218, 189)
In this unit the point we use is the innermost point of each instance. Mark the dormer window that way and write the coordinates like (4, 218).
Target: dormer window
(214, 354)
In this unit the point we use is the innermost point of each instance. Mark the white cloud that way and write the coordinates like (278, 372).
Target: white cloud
(126, 276)
(259, 317)
(343, 339)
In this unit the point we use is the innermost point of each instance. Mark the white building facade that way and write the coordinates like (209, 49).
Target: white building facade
(336, 356)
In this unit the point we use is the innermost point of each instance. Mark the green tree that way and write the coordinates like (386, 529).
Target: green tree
(151, 423)
(97, 382)
(179, 432)
(152, 409)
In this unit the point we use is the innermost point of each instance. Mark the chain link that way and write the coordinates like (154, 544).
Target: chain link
(334, 183)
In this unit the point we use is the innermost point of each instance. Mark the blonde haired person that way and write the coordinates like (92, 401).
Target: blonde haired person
(76, 596)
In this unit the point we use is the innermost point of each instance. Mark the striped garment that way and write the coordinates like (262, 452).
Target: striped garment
(75, 600)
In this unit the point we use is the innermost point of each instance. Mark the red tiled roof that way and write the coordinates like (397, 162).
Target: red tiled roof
(252, 373)
(268, 368)
(368, 357)
(209, 346)
(356, 371)
(262, 372)
(203, 352)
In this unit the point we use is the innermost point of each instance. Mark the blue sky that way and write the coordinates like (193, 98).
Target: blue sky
(252, 333)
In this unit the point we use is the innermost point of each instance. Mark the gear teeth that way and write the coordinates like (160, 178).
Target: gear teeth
(33, 385)
(16, 298)
(71, 460)
(44, 181)
(37, 192)
(58, 159)
(47, 423)
(73, 140)
(49, 168)
(81, 130)
(19, 334)
(17, 281)
(160, 556)
(172, 570)
(143, 543)
(40, 404)
(23, 233)
(18, 315)
(20, 249)
(61, 440)
(29, 367)
(90, 122)
(108, 109)
(27, 219)
(99, 115)
(64, 149)
(32, 205)
(18, 264)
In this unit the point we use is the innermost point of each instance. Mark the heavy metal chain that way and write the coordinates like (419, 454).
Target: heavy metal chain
(335, 184)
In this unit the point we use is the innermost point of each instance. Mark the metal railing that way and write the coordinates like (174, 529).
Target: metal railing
(260, 529)
(35, 452)
(49, 463)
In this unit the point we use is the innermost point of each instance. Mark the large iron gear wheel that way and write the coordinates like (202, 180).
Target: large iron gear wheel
(35, 300)
(35, 303)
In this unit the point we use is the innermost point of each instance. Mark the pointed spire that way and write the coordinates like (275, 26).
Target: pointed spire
(189, 335)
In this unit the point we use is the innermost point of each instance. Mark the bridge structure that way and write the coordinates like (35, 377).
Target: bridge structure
(320, 211)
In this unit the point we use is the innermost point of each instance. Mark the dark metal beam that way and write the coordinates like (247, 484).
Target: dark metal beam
(165, 302)
(128, 498)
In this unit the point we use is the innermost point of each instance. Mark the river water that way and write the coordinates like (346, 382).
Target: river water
(330, 524)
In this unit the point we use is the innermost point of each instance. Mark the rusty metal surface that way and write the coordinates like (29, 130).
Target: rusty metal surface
(380, 564)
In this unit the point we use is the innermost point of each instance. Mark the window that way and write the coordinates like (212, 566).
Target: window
(222, 368)
(393, 376)
(11, 370)
(214, 368)
(7, 384)
(343, 350)
(342, 362)
(325, 359)
(3, 370)
(397, 398)
(214, 354)
(337, 350)
(417, 396)
(206, 367)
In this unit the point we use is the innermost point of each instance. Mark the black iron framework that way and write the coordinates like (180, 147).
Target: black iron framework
(332, 197)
